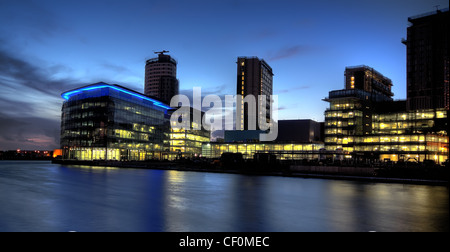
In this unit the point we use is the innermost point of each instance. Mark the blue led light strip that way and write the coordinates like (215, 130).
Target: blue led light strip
(67, 95)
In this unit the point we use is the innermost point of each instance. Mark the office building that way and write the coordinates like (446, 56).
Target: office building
(428, 61)
(187, 143)
(299, 131)
(161, 77)
(282, 151)
(110, 122)
(297, 140)
(254, 77)
(289, 131)
(369, 125)
(351, 109)
(367, 79)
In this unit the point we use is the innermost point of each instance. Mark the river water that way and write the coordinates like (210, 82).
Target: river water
(40, 196)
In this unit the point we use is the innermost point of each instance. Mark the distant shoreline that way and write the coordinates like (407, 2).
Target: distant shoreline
(160, 165)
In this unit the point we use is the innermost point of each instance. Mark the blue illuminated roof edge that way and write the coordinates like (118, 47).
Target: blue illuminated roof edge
(66, 95)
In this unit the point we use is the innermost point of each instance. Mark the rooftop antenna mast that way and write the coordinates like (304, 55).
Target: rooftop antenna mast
(162, 52)
(437, 7)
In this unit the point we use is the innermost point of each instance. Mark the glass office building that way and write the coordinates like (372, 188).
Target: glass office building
(187, 143)
(371, 126)
(110, 122)
(408, 135)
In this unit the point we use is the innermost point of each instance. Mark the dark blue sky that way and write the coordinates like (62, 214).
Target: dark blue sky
(50, 46)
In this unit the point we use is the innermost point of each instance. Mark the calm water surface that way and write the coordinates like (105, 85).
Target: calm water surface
(40, 196)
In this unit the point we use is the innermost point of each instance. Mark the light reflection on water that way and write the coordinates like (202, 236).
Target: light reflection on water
(40, 196)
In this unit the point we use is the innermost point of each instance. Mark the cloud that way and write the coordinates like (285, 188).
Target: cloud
(115, 68)
(22, 75)
(28, 133)
(288, 52)
(292, 89)
(265, 33)
(30, 103)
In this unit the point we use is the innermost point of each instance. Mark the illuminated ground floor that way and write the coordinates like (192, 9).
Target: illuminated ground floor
(379, 156)
(415, 157)
(370, 149)
(286, 151)
(93, 153)
(404, 147)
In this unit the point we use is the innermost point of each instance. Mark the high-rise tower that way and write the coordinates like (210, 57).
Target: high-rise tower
(161, 77)
(427, 61)
(254, 77)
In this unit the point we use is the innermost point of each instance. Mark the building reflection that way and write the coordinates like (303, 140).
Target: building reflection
(379, 207)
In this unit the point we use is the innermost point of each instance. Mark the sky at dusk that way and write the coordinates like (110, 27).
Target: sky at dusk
(51, 46)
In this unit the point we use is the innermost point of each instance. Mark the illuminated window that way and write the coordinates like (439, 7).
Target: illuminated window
(440, 114)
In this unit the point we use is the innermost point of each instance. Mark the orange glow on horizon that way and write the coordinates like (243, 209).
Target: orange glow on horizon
(57, 152)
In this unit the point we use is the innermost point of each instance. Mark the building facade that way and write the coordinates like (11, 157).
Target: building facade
(289, 131)
(368, 125)
(300, 131)
(367, 79)
(282, 151)
(415, 135)
(349, 114)
(187, 143)
(298, 140)
(428, 61)
(254, 77)
(110, 122)
(161, 78)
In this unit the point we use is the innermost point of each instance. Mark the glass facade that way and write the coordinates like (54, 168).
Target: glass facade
(353, 125)
(187, 143)
(110, 122)
(418, 121)
(349, 115)
(283, 151)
